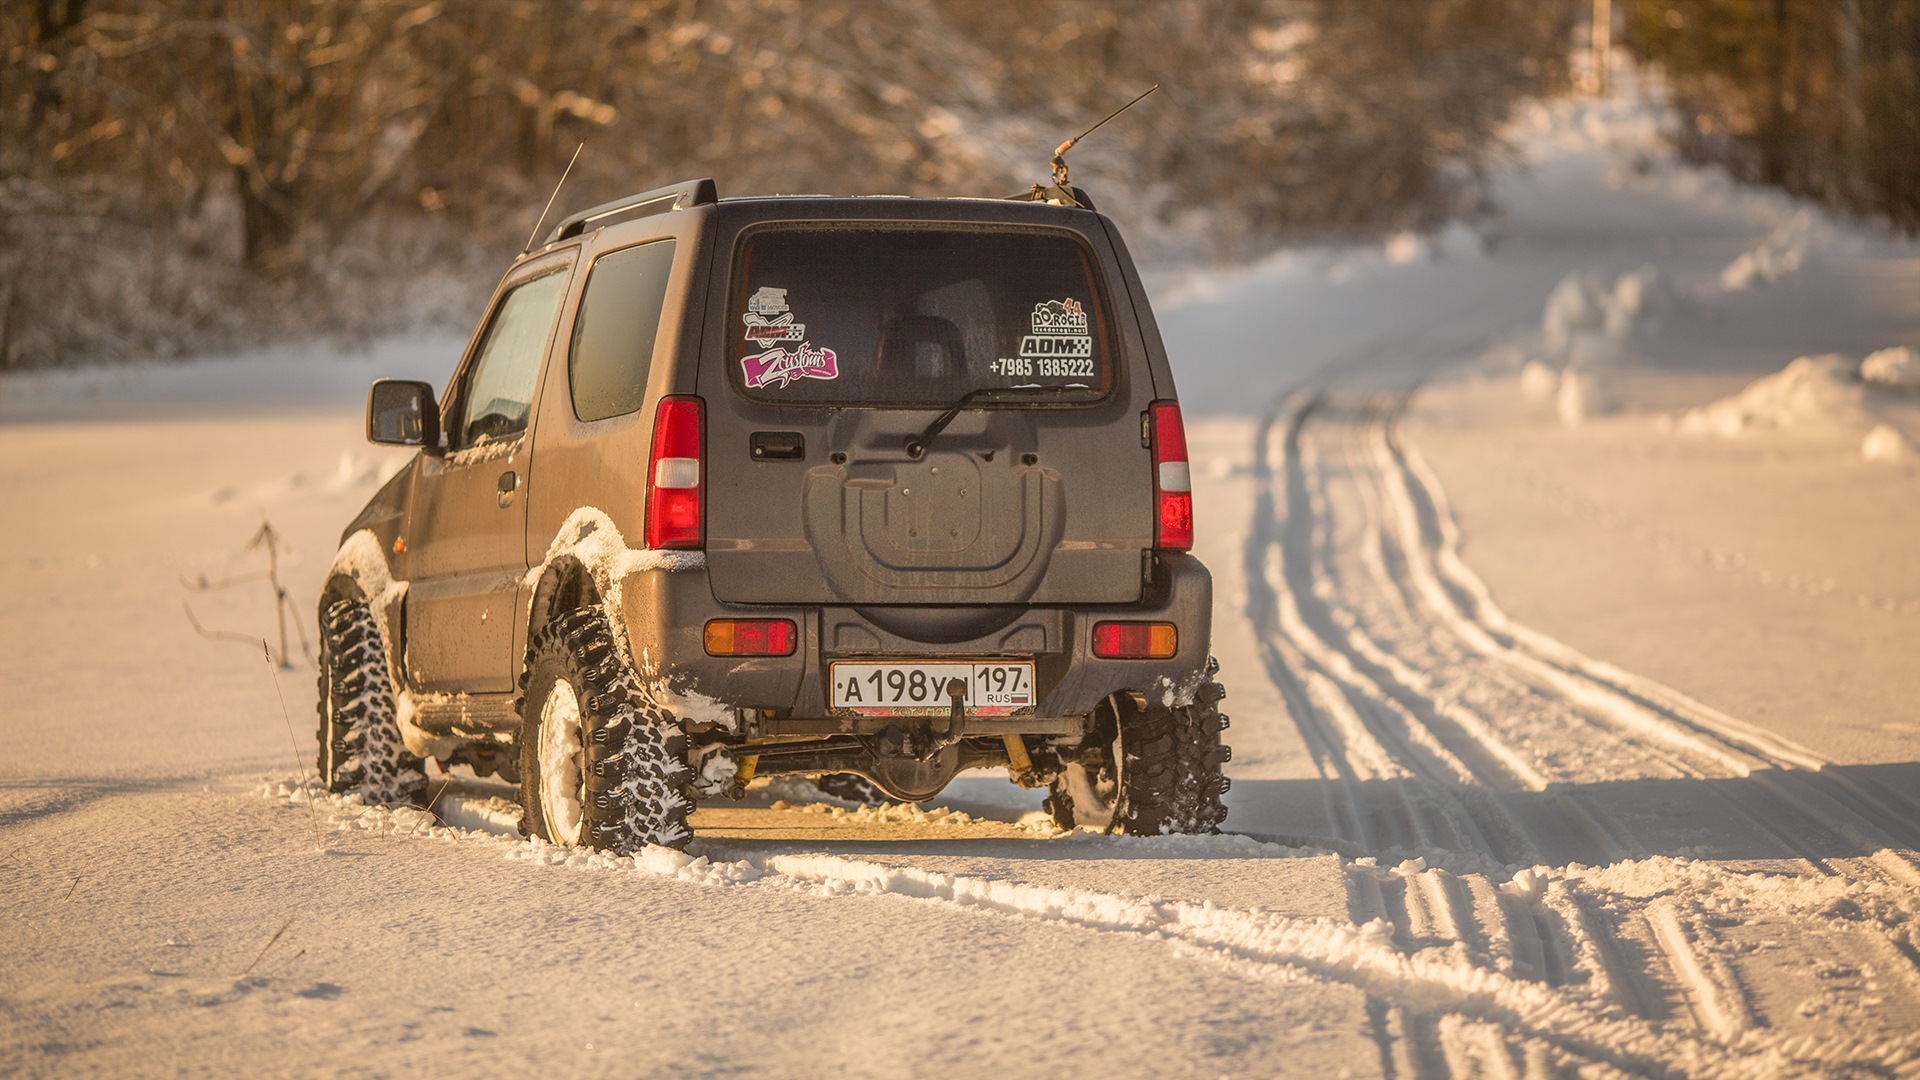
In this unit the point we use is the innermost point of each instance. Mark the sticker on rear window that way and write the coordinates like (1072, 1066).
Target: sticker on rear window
(778, 367)
(1059, 333)
(769, 320)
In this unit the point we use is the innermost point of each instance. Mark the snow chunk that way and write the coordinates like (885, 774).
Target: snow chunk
(1898, 368)
(1571, 307)
(1583, 306)
(1636, 295)
(1404, 248)
(1812, 391)
(1776, 257)
(889, 814)
(1885, 443)
(1538, 381)
(1570, 403)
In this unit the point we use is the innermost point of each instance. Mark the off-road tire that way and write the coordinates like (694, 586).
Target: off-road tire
(634, 783)
(1169, 778)
(360, 745)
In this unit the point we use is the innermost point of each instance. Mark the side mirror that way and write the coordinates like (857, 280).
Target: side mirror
(402, 412)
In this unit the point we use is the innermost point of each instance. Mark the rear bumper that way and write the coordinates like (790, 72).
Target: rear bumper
(666, 612)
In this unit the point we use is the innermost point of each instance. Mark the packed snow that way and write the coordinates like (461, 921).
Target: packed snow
(1564, 597)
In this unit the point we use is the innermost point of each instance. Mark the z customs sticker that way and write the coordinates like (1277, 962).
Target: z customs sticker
(770, 322)
(779, 367)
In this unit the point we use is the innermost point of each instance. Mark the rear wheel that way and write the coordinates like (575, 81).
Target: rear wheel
(360, 745)
(1147, 770)
(600, 766)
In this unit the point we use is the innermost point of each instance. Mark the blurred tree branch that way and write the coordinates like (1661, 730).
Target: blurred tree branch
(180, 173)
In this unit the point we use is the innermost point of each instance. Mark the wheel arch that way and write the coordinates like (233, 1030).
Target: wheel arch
(565, 584)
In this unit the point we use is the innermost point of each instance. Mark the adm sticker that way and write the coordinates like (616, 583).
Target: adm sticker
(1059, 331)
(770, 322)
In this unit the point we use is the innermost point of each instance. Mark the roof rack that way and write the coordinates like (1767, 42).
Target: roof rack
(658, 201)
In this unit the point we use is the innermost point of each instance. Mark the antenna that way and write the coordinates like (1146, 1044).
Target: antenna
(1060, 154)
(576, 157)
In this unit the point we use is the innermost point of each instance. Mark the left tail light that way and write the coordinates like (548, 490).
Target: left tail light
(675, 475)
(750, 637)
(1172, 479)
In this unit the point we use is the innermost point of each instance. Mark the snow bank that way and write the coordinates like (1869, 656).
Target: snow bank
(1811, 392)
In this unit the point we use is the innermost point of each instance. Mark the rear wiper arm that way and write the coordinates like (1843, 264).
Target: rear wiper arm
(919, 444)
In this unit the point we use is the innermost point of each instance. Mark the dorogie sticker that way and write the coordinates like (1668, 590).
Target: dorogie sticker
(778, 367)
(1058, 317)
(1059, 333)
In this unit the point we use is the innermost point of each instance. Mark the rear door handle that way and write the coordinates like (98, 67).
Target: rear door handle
(509, 482)
(778, 446)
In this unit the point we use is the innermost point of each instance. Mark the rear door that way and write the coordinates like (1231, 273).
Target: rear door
(844, 344)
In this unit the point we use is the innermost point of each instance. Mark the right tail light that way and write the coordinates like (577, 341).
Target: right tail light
(1172, 479)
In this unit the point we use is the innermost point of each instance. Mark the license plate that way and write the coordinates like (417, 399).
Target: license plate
(994, 688)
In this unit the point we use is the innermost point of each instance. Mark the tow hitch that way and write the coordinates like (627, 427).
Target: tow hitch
(915, 738)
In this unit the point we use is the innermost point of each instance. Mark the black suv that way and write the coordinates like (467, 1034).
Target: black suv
(729, 488)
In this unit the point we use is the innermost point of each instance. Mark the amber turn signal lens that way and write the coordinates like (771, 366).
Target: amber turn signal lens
(1134, 640)
(751, 637)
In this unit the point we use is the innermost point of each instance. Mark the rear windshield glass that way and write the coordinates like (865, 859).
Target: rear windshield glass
(916, 316)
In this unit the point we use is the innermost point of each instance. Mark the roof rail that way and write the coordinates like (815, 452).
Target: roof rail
(658, 201)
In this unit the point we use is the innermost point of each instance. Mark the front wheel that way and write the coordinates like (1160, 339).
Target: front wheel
(361, 750)
(1147, 770)
(600, 767)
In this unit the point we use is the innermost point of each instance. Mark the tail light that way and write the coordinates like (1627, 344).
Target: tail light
(1172, 480)
(1135, 640)
(673, 475)
(750, 637)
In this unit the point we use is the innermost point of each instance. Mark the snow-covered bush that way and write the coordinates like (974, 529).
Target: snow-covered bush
(1897, 368)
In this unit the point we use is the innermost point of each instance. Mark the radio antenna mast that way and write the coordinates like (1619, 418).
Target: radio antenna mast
(1060, 154)
(569, 169)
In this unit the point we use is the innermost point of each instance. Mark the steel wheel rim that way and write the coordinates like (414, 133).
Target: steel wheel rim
(562, 778)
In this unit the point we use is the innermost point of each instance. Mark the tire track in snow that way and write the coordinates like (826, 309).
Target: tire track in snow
(1437, 1007)
(1421, 988)
(1370, 613)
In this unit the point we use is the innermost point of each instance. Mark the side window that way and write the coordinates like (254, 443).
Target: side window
(614, 332)
(498, 394)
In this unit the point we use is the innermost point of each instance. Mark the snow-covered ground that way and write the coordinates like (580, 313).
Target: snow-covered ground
(1570, 628)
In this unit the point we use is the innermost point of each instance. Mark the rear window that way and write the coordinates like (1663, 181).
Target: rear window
(916, 316)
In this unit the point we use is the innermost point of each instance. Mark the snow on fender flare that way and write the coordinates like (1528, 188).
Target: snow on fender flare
(590, 539)
(362, 560)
